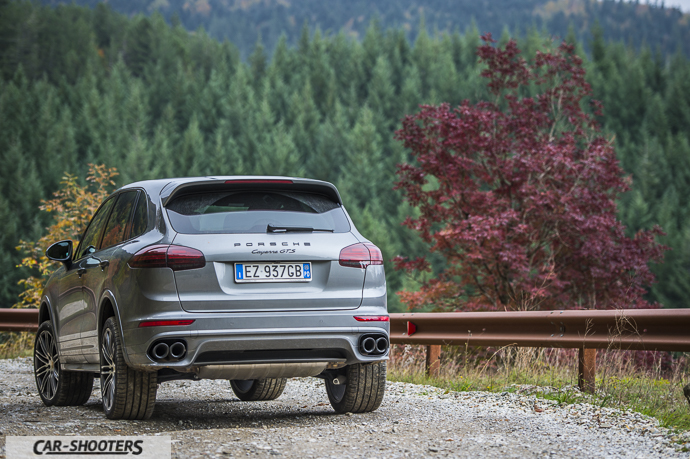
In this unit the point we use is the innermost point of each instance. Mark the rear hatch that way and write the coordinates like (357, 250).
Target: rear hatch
(268, 247)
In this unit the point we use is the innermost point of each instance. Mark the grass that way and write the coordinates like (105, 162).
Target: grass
(13, 345)
(654, 388)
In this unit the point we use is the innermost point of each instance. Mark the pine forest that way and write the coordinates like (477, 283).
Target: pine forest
(81, 86)
(243, 22)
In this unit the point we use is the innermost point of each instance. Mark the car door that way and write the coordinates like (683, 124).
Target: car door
(71, 306)
(98, 269)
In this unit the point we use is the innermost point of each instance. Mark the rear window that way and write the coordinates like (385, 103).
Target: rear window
(254, 211)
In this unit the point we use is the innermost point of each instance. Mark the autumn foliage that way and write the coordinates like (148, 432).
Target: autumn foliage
(72, 206)
(518, 195)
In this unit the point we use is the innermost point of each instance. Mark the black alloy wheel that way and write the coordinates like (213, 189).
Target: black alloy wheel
(56, 386)
(108, 370)
(46, 365)
(126, 393)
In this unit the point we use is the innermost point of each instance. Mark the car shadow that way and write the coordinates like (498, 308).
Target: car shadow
(172, 415)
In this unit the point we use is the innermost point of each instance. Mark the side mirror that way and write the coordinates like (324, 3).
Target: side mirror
(61, 251)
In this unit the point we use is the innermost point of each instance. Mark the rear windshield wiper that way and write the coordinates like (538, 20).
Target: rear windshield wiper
(294, 229)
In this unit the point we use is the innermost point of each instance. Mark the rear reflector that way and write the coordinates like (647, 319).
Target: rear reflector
(257, 181)
(372, 318)
(175, 257)
(164, 323)
(361, 255)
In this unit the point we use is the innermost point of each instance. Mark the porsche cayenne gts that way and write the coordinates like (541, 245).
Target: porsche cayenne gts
(249, 279)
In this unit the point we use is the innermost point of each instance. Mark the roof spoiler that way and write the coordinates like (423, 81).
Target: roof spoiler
(175, 189)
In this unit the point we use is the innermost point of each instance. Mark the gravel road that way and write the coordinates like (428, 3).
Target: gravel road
(205, 419)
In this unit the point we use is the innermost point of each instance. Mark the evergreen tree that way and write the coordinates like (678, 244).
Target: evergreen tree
(138, 46)
(191, 154)
(332, 144)
(381, 95)
(363, 176)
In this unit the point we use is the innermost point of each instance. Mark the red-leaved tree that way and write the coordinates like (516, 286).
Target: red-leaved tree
(518, 195)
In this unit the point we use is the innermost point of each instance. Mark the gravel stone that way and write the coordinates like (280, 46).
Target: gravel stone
(205, 419)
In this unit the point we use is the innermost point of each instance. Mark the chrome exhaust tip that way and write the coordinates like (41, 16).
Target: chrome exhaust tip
(160, 351)
(177, 350)
(381, 345)
(368, 345)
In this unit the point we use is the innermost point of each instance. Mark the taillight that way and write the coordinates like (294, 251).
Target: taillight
(372, 318)
(154, 256)
(361, 255)
(181, 258)
(175, 257)
(376, 255)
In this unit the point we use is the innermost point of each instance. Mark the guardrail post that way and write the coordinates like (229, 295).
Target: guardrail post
(433, 361)
(587, 369)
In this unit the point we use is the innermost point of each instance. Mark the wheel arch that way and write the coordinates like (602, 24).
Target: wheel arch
(109, 308)
(45, 312)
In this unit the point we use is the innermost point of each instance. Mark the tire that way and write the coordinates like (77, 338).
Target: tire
(362, 392)
(57, 387)
(126, 393)
(258, 390)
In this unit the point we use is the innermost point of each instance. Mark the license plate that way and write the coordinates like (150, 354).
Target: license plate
(272, 272)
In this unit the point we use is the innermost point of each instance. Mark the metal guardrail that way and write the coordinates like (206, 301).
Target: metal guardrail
(17, 320)
(629, 329)
(586, 330)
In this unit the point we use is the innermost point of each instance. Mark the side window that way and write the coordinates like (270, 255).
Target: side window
(120, 219)
(89, 243)
(140, 217)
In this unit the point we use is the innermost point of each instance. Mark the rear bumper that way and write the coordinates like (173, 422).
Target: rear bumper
(258, 338)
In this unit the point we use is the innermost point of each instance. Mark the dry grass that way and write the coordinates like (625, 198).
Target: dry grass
(19, 344)
(654, 388)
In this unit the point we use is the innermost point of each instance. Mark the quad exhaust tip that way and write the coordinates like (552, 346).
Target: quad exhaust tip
(168, 350)
(373, 344)
(368, 345)
(381, 345)
(178, 350)
(160, 351)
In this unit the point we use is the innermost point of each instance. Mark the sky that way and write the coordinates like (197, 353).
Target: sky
(684, 5)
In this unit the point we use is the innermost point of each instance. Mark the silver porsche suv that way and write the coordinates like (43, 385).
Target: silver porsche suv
(249, 279)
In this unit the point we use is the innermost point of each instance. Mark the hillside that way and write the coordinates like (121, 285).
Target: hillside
(242, 22)
(81, 85)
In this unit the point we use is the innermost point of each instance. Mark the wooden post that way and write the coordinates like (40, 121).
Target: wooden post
(433, 361)
(587, 369)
